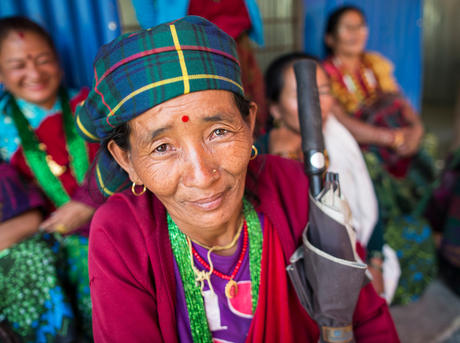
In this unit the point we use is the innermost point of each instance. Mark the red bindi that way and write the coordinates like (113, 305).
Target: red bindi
(185, 119)
(21, 34)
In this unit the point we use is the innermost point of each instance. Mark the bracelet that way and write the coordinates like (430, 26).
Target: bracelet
(398, 140)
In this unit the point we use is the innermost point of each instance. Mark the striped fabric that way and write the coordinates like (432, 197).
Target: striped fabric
(139, 70)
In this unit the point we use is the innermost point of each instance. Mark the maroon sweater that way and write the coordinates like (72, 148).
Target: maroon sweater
(132, 272)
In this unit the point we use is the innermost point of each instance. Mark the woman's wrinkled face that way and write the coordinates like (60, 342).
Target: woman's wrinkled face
(192, 152)
(351, 35)
(287, 108)
(29, 68)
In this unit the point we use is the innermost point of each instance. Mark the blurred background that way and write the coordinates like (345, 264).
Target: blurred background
(418, 36)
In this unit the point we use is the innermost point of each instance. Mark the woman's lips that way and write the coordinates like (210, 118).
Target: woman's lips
(36, 86)
(209, 203)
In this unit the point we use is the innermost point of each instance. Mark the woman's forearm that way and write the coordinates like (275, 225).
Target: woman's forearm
(18, 228)
(364, 133)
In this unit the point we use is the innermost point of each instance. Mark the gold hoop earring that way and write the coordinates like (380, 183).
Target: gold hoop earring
(133, 190)
(254, 152)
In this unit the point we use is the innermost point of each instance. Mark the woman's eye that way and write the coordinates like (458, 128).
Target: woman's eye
(220, 132)
(44, 61)
(16, 66)
(161, 148)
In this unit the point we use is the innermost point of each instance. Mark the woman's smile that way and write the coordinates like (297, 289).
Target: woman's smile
(196, 168)
(29, 68)
(209, 203)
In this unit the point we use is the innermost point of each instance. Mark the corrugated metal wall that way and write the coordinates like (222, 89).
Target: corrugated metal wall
(282, 29)
(441, 27)
(78, 27)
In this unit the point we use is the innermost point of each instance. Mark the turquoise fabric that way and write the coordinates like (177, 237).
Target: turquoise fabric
(9, 139)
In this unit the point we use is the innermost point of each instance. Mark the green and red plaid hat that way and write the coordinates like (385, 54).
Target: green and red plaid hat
(140, 70)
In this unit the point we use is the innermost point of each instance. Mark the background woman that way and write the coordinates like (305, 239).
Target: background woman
(372, 106)
(196, 249)
(38, 137)
(398, 156)
(346, 159)
(344, 156)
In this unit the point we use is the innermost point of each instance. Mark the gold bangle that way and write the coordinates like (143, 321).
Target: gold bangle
(61, 228)
(398, 139)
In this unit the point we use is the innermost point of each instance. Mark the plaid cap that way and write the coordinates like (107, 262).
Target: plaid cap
(139, 70)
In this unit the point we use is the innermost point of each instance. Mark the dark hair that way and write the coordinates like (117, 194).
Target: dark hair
(334, 20)
(120, 134)
(18, 23)
(274, 78)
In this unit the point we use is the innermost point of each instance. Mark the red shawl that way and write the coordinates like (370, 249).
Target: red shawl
(132, 272)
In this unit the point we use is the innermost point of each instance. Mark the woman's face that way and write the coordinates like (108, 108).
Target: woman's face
(29, 68)
(286, 109)
(351, 36)
(192, 152)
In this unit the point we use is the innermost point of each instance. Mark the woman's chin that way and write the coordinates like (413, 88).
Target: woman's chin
(211, 212)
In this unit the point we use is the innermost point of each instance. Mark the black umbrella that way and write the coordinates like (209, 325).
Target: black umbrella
(325, 270)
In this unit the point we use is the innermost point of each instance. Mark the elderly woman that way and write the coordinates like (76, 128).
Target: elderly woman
(195, 249)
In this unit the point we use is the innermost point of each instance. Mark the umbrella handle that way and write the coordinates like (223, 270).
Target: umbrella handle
(310, 123)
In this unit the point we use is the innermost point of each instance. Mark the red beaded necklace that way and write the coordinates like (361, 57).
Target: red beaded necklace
(231, 288)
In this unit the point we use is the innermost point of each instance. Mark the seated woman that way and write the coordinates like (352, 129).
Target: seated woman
(38, 137)
(346, 159)
(344, 156)
(372, 106)
(196, 248)
(33, 303)
(398, 155)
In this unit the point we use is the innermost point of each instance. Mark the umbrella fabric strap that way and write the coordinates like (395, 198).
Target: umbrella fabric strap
(193, 298)
(342, 334)
(38, 160)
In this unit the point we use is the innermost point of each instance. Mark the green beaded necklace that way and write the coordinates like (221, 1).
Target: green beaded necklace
(193, 298)
(37, 159)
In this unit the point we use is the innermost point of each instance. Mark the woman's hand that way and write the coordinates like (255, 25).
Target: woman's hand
(412, 137)
(412, 134)
(376, 269)
(16, 229)
(68, 217)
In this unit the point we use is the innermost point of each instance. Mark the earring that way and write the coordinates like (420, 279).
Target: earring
(133, 190)
(277, 123)
(254, 152)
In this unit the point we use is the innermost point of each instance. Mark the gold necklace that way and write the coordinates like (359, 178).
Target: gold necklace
(224, 247)
(202, 275)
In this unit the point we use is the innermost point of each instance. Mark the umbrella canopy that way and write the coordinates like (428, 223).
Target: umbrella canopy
(325, 270)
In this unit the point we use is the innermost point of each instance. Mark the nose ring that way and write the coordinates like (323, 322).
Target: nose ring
(214, 171)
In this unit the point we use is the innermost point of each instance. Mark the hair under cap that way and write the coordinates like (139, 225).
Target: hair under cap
(140, 70)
